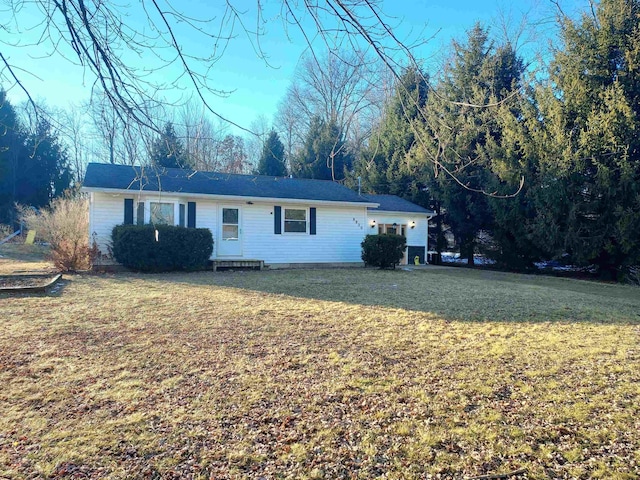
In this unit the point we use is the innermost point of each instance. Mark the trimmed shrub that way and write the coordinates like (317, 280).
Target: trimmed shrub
(383, 251)
(176, 248)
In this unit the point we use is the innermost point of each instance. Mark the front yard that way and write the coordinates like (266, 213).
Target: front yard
(434, 373)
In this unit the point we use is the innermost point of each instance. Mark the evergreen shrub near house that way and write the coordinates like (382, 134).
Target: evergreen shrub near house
(177, 248)
(383, 251)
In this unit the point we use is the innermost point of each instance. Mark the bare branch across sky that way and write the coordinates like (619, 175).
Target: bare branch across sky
(155, 51)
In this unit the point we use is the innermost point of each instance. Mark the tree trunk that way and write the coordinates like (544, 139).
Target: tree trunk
(467, 247)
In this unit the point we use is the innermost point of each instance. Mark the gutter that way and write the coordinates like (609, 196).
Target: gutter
(429, 215)
(228, 198)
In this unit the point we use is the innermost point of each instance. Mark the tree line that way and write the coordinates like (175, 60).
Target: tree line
(528, 168)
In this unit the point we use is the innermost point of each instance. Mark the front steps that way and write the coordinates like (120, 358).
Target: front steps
(238, 264)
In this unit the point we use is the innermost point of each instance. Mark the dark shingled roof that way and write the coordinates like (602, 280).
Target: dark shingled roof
(393, 203)
(124, 177)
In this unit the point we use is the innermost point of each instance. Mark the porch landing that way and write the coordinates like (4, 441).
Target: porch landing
(244, 264)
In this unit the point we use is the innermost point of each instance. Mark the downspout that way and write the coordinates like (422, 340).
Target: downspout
(426, 251)
(91, 238)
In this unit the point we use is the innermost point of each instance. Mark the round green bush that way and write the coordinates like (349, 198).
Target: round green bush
(383, 251)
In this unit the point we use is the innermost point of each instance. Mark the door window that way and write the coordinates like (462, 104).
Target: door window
(230, 227)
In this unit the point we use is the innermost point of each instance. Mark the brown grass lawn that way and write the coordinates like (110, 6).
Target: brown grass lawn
(435, 373)
(18, 257)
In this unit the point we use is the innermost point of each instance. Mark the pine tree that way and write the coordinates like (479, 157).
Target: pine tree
(272, 158)
(465, 151)
(46, 172)
(12, 154)
(388, 165)
(34, 166)
(586, 129)
(324, 155)
(167, 150)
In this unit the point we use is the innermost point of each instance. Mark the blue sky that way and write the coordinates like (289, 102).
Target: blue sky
(257, 87)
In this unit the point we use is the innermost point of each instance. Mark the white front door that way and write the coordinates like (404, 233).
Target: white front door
(230, 232)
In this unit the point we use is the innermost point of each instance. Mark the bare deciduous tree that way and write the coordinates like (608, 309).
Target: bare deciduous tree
(341, 89)
(75, 135)
(233, 157)
(254, 143)
(119, 138)
(286, 124)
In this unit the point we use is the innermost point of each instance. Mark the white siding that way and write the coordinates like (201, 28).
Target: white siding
(339, 229)
(339, 233)
(416, 237)
(107, 212)
(207, 217)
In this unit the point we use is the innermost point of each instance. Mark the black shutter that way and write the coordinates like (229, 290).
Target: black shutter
(128, 211)
(140, 214)
(312, 220)
(277, 220)
(191, 215)
(181, 215)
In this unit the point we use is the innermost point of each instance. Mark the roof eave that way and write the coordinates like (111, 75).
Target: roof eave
(401, 212)
(208, 196)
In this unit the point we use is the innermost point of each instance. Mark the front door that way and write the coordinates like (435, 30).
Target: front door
(230, 232)
(396, 230)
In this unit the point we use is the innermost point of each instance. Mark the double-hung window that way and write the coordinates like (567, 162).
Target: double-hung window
(162, 213)
(295, 220)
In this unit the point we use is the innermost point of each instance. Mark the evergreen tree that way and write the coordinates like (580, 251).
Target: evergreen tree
(272, 158)
(12, 154)
(586, 129)
(388, 164)
(46, 172)
(466, 134)
(167, 150)
(512, 158)
(324, 154)
(34, 167)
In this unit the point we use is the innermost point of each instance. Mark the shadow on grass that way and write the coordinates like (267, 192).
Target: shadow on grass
(454, 294)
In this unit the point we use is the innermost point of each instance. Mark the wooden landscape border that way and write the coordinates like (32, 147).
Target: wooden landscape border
(31, 288)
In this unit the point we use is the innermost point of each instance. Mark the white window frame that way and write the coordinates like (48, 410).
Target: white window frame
(306, 220)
